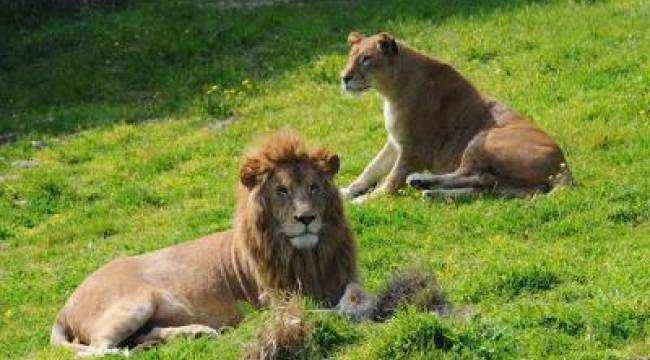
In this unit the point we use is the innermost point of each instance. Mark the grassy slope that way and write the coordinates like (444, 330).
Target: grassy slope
(559, 276)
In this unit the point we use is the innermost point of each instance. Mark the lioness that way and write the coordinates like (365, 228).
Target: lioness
(290, 234)
(437, 121)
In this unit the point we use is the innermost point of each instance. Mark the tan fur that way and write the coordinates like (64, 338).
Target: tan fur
(437, 121)
(193, 288)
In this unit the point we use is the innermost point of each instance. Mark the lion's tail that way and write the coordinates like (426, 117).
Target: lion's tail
(563, 179)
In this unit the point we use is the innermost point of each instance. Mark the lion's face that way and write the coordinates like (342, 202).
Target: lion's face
(370, 58)
(295, 195)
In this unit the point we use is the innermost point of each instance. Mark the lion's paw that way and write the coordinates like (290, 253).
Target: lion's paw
(355, 303)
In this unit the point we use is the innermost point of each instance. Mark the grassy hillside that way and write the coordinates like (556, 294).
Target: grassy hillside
(146, 109)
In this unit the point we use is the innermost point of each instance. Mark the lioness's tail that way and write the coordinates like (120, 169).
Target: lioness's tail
(564, 178)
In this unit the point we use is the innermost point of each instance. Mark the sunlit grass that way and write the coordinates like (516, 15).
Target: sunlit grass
(564, 276)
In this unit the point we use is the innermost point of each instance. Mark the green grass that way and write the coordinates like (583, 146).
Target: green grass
(128, 100)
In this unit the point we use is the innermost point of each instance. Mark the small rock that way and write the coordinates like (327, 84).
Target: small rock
(39, 144)
(24, 164)
(6, 139)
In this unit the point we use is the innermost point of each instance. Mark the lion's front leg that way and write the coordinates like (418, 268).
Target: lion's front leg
(355, 302)
(378, 167)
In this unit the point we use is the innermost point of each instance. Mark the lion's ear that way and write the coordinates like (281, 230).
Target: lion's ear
(326, 161)
(250, 172)
(354, 38)
(387, 44)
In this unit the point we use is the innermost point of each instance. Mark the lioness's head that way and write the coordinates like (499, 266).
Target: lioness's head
(292, 188)
(370, 59)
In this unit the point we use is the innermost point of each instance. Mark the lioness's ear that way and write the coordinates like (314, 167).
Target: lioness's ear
(354, 37)
(387, 44)
(250, 172)
(326, 161)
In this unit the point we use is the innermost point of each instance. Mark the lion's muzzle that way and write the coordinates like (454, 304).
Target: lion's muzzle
(304, 241)
(303, 232)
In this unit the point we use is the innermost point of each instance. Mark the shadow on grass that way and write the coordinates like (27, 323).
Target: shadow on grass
(153, 59)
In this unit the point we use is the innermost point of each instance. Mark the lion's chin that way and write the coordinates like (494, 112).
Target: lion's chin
(304, 241)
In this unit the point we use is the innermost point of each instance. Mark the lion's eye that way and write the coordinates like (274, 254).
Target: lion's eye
(314, 189)
(282, 190)
(365, 59)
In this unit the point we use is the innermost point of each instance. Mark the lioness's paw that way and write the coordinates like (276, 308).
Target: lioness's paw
(419, 181)
(346, 193)
(361, 199)
(350, 192)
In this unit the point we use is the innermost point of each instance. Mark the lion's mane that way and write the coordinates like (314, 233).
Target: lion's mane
(321, 272)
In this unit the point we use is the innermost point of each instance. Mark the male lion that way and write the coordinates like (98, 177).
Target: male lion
(437, 121)
(290, 234)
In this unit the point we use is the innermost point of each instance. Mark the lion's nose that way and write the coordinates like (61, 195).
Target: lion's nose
(305, 218)
(346, 78)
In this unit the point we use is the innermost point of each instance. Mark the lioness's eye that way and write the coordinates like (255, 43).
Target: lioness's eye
(365, 59)
(282, 190)
(314, 189)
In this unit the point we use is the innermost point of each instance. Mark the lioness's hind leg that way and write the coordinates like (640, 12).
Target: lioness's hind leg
(452, 193)
(513, 192)
(457, 179)
(520, 192)
(422, 181)
(164, 334)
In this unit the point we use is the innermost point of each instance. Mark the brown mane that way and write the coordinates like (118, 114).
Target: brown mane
(321, 272)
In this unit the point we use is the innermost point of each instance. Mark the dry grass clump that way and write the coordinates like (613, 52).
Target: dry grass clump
(415, 287)
(286, 333)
